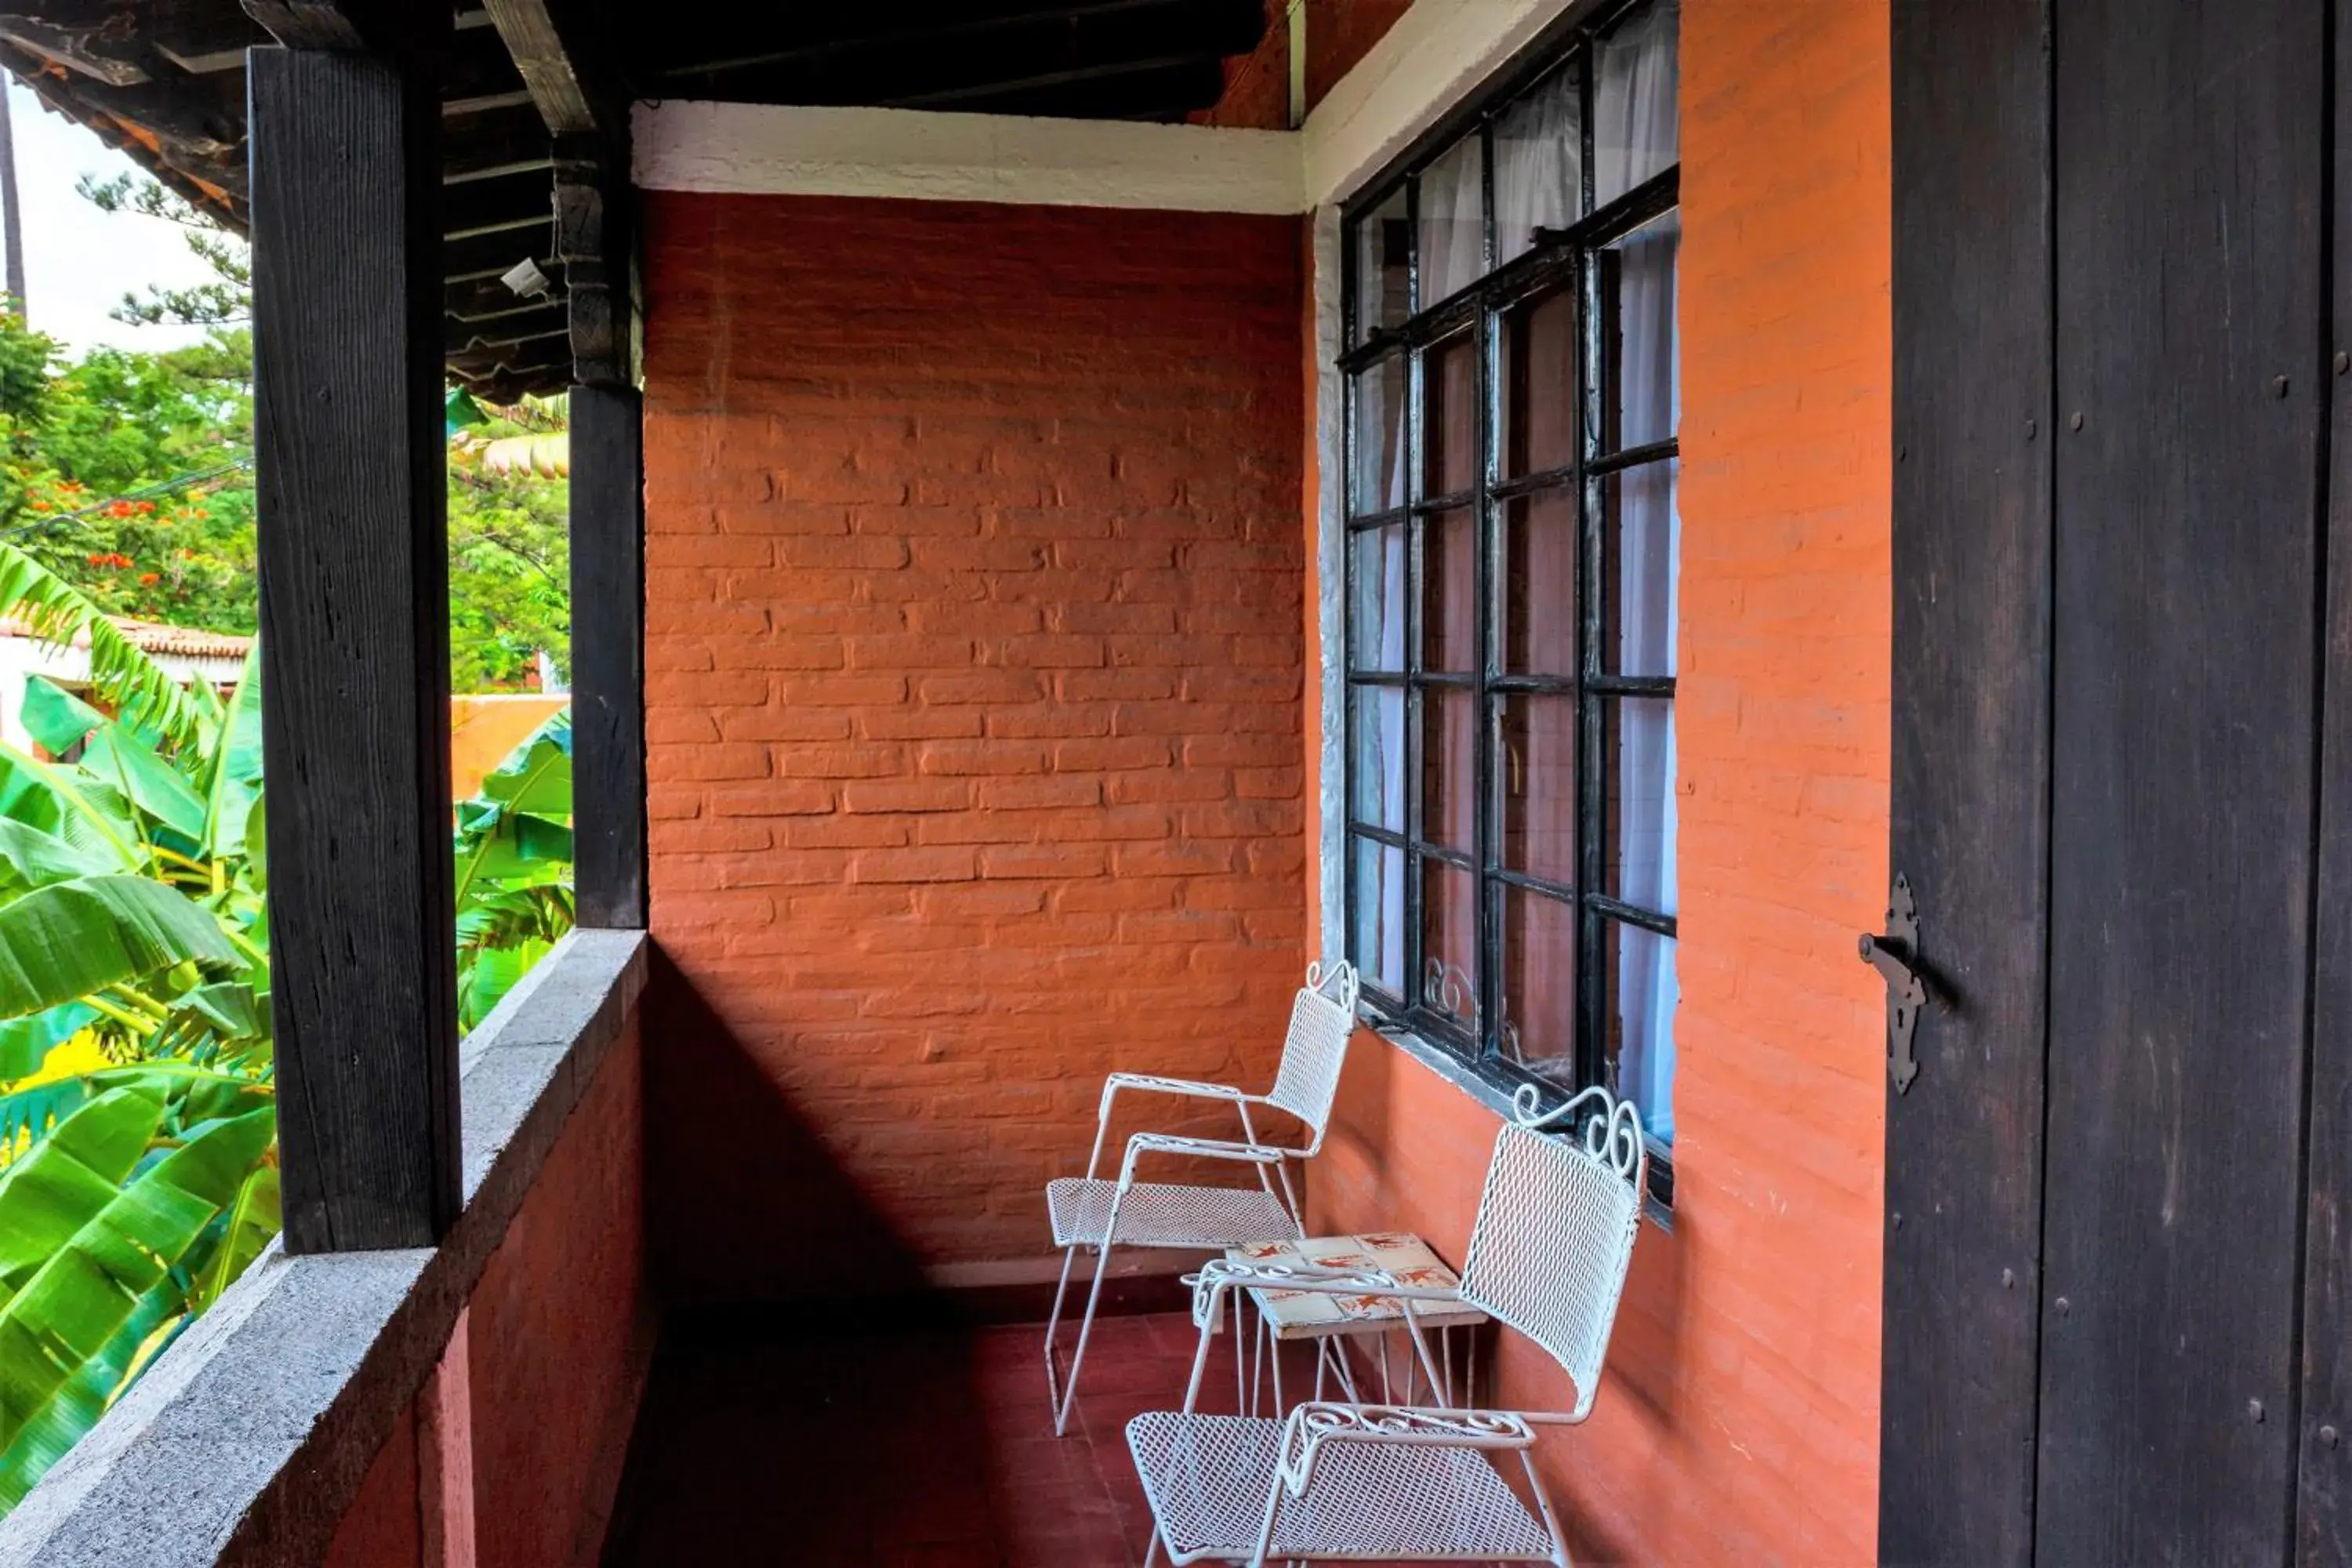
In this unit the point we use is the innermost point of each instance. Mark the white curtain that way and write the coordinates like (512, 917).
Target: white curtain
(1452, 222)
(1538, 180)
(1379, 756)
(1634, 138)
(1635, 81)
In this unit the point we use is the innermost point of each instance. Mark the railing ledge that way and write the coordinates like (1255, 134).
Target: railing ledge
(247, 1442)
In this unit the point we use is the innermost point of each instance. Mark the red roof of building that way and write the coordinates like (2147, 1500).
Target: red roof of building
(153, 638)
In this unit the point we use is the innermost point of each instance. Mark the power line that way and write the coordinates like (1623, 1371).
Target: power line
(165, 487)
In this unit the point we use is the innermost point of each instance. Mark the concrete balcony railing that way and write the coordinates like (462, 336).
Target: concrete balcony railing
(465, 1403)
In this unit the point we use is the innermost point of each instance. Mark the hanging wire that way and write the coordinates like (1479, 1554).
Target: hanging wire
(44, 520)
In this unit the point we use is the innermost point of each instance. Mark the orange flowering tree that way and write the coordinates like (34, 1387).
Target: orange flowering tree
(130, 474)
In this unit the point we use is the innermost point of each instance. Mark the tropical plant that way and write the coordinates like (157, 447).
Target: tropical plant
(510, 543)
(514, 868)
(138, 1158)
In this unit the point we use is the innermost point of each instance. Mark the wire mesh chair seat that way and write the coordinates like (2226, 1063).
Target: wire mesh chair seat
(1330, 1481)
(1156, 1214)
(1093, 1213)
(1208, 1479)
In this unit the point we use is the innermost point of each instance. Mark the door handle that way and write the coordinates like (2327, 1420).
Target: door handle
(1895, 957)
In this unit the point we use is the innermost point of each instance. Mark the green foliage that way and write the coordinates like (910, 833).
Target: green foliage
(509, 552)
(129, 475)
(132, 914)
(226, 296)
(514, 868)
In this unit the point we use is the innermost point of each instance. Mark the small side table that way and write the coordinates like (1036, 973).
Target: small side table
(1331, 1320)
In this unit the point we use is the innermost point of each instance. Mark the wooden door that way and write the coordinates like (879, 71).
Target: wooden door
(2115, 1276)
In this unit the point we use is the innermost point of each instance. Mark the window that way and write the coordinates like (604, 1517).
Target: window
(1512, 554)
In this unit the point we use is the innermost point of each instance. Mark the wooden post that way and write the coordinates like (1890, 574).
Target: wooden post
(608, 608)
(351, 472)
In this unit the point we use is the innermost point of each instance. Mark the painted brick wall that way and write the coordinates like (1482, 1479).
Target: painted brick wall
(1739, 1421)
(510, 1456)
(972, 705)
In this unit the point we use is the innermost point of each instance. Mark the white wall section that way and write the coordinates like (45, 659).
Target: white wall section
(1436, 52)
(918, 154)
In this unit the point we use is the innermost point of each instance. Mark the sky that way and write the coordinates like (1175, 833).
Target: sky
(79, 261)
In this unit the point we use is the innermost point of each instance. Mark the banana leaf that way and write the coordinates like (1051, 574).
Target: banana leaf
(64, 1180)
(33, 858)
(139, 688)
(77, 1309)
(228, 1009)
(231, 778)
(251, 1221)
(25, 1042)
(520, 818)
(536, 776)
(68, 804)
(118, 758)
(86, 1394)
(69, 939)
(191, 1095)
(55, 719)
(256, 845)
(492, 973)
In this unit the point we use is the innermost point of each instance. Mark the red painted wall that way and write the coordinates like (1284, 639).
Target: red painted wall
(1739, 1419)
(559, 1333)
(974, 709)
(385, 1528)
(540, 1392)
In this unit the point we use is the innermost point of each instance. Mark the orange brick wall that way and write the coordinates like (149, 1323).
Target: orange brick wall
(1739, 1422)
(974, 709)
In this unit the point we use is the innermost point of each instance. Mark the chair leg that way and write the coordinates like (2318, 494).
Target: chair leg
(1053, 1325)
(1086, 1329)
(1543, 1501)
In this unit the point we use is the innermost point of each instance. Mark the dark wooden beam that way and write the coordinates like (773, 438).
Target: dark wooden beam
(608, 598)
(354, 545)
(556, 53)
(593, 241)
(414, 29)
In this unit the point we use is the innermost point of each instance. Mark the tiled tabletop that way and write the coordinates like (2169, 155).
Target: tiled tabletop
(1315, 1314)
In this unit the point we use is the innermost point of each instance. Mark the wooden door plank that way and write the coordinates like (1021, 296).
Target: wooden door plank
(2189, 141)
(2324, 1436)
(353, 546)
(1972, 355)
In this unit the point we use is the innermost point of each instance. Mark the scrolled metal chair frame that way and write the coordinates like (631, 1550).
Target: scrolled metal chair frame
(1323, 1016)
(1589, 1150)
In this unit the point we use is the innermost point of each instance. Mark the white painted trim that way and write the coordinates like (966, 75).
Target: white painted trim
(1436, 54)
(770, 150)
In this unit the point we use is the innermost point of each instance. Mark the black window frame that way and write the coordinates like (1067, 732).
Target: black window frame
(1574, 260)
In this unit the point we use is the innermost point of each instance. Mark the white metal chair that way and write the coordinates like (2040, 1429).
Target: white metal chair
(1338, 1481)
(1091, 1212)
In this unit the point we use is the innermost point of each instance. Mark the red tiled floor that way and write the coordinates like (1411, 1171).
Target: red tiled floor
(931, 1448)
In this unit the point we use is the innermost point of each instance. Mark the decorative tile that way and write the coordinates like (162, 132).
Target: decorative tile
(1314, 1314)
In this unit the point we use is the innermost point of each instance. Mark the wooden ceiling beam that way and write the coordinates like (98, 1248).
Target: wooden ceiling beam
(550, 65)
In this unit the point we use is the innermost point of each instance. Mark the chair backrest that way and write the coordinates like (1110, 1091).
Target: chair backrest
(1322, 1020)
(1556, 1227)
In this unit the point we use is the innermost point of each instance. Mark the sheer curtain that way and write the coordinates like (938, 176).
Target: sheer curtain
(1538, 177)
(1453, 221)
(1634, 137)
(1379, 601)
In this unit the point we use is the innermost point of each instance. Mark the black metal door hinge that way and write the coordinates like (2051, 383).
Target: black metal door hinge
(1895, 956)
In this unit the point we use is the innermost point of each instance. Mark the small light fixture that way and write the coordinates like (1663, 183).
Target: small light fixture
(525, 280)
